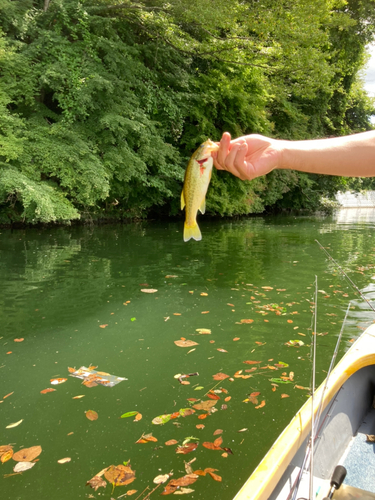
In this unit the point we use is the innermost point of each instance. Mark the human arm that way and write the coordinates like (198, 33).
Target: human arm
(250, 156)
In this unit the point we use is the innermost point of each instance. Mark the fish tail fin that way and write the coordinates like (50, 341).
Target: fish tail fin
(192, 232)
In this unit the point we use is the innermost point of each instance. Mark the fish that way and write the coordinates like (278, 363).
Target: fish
(197, 179)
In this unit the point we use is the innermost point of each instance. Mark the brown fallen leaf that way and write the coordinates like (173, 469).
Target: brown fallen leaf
(138, 417)
(146, 438)
(236, 338)
(91, 415)
(200, 426)
(205, 405)
(49, 389)
(263, 403)
(205, 312)
(148, 290)
(187, 448)
(64, 460)
(131, 492)
(247, 321)
(27, 454)
(56, 381)
(222, 350)
(220, 376)
(170, 442)
(284, 396)
(18, 340)
(218, 431)
(103, 326)
(215, 476)
(7, 455)
(185, 343)
(7, 395)
(248, 362)
(119, 475)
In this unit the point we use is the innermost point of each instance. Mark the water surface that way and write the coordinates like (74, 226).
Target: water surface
(75, 296)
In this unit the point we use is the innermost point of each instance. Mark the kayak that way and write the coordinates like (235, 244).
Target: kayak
(342, 440)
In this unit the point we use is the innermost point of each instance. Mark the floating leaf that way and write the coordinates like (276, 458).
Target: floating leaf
(248, 362)
(171, 442)
(222, 350)
(213, 396)
(49, 389)
(280, 381)
(284, 396)
(162, 478)
(200, 426)
(131, 492)
(10, 426)
(185, 412)
(27, 454)
(199, 388)
(148, 290)
(218, 431)
(119, 475)
(187, 448)
(138, 417)
(236, 338)
(64, 460)
(103, 326)
(185, 343)
(91, 415)
(162, 419)
(129, 414)
(146, 438)
(96, 482)
(18, 340)
(7, 396)
(203, 331)
(220, 376)
(205, 405)
(243, 430)
(4, 457)
(183, 491)
(22, 466)
(56, 381)
(263, 403)
(247, 320)
(79, 397)
(215, 476)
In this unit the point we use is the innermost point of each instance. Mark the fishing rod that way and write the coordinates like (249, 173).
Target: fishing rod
(346, 276)
(307, 463)
(312, 437)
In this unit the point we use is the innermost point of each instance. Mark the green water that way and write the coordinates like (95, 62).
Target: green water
(59, 285)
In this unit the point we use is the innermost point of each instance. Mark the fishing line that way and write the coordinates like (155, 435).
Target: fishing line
(345, 275)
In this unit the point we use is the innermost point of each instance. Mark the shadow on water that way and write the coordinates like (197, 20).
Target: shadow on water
(75, 296)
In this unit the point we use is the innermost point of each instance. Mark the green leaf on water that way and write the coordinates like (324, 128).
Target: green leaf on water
(162, 419)
(280, 381)
(133, 319)
(283, 364)
(129, 414)
(188, 439)
(199, 388)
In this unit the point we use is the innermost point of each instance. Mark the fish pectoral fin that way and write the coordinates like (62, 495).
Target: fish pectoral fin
(182, 200)
(202, 208)
(192, 232)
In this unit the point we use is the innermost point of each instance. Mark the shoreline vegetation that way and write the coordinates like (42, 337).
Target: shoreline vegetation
(102, 103)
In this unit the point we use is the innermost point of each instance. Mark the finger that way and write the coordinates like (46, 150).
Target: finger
(221, 154)
(240, 163)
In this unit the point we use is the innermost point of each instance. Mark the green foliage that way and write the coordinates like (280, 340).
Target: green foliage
(102, 103)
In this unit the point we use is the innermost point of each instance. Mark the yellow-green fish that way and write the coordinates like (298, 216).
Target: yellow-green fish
(197, 179)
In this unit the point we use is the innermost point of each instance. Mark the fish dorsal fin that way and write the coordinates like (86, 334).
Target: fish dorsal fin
(182, 200)
(202, 208)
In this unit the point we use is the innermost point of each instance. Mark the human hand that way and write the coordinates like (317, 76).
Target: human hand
(249, 156)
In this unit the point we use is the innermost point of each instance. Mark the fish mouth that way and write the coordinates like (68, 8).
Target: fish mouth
(211, 146)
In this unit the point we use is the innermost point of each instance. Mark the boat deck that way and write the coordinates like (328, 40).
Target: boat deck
(360, 459)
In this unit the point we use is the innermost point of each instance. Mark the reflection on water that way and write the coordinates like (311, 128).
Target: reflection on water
(355, 216)
(74, 296)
